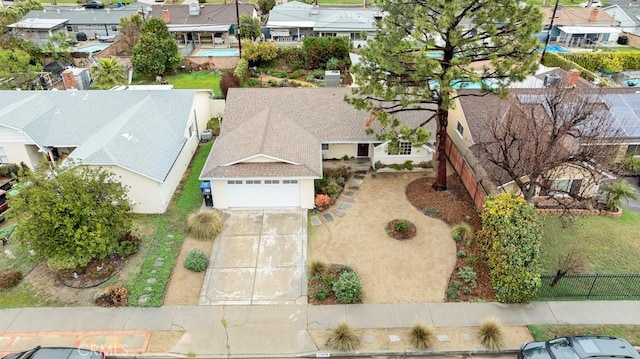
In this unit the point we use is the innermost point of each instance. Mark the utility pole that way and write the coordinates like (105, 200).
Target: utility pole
(546, 42)
(238, 30)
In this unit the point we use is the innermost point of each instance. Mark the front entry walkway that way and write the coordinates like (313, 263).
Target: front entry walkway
(260, 258)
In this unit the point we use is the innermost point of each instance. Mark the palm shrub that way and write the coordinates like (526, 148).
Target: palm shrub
(196, 261)
(632, 165)
(421, 337)
(490, 334)
(617, 192)
(462, 231)
(343, 338)
(510, 242)
(348, 288)
(317, 268)
(204, 225)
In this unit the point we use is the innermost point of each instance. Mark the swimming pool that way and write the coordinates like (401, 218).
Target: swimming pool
(632, 82)
(556, 48)
(219, 53)
(93, 48)
(462, 83)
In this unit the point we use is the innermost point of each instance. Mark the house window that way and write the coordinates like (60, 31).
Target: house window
(271, 181)
(633, 150)
(566, 187)
(325, 147)
(234, 182)
(403, 149)
(289, 181)
(253, 182)
(460, 129)
(69, 28)
(3, 156)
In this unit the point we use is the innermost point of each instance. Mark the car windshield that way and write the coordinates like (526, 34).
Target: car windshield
(561, 349)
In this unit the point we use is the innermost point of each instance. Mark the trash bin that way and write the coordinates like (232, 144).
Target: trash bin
(208, 199)
(623, 40)
(204, 185)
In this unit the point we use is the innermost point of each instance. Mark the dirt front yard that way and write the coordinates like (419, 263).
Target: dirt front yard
(391, 271)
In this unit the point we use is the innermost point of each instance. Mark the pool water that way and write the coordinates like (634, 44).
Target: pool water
(219, 53)
(632, 82)
(556, 48)
(462, 83)
(93, 48)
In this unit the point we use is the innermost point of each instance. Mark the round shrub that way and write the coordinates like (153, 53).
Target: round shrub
(348, 288)
(196, 261)
(204, 225)
(10, 278)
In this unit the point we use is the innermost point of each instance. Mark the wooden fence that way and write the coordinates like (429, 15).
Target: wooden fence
(469, 179)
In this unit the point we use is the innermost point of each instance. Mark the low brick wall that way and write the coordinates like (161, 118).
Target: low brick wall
(578, 212)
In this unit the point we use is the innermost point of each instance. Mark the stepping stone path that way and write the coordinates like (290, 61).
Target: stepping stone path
(144, 298)
(343, 203)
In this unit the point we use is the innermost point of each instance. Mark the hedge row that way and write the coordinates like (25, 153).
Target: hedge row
(555, 60)
(595, 61)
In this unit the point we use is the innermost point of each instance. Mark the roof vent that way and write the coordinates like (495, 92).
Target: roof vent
(551, 80)
(332, 78)
(194, 8)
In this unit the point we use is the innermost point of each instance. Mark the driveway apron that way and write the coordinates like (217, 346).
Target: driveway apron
(259, 258)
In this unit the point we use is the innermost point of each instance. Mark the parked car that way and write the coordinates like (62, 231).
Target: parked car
(93, 4)
(594, 3)
(579, 347)
(57, 353)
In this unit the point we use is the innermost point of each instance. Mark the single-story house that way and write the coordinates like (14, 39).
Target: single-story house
(93, 22)
(147, 138)
(627, 14)
(203, 24)
(577, 26)
(468, 131)
(294, 20)
(273, 142)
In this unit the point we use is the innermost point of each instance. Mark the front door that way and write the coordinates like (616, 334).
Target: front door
(363, 150)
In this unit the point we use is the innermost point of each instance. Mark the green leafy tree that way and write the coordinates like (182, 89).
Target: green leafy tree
(422, 47)
(266, 6)
(242, 70)
(318, 50)
(510, 240)
(249, 27)
(71, 215)
(18, 68)
(259, 52)
(156, 50)
(130, 30)
(618, 191)
(9, 15)
(109, 73)
(58, 46)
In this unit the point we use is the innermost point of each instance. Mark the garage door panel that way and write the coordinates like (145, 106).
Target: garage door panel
(263, 193)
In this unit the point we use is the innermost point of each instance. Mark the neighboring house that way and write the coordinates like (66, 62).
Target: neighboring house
(273, 142)
(578, 27)
(147, 138)
(628, 15)
(294, 20)
(203, 24)
(467, 132)
(39, 25)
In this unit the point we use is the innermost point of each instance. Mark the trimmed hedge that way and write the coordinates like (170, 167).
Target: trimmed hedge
(510, 240)
(595, 61)
(555, 60)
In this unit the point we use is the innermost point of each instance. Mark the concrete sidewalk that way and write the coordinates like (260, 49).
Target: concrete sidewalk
(273, 331)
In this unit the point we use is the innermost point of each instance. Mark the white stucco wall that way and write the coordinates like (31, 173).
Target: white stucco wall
(219, 194)
(203, 109)
(16, 149)
(307, 194)
(144, 193)
(418, 154)
(338, 150)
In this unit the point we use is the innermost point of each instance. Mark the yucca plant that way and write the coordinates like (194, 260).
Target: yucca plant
(204, 225)
(343, 338)
(316, 268)
(421, 337)
(491, 334)
(463, 231)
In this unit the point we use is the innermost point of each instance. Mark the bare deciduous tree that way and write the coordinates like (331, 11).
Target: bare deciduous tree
(547, 134)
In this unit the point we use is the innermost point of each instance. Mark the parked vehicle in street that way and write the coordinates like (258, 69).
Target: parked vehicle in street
(579, 347)
(594, 3)
(57, 353)
(93, 4)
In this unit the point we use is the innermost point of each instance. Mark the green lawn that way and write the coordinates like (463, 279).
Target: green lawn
(610, 245)
(189, 80)
(546, 332)
(21, 259)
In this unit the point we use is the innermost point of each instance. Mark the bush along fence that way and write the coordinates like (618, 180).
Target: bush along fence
(555, 60)
(590, 286)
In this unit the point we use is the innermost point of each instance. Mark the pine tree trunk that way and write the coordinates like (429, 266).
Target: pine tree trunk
(440, 183)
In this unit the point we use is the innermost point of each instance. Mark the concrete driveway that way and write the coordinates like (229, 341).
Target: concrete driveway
(260, 258)
(632, 205)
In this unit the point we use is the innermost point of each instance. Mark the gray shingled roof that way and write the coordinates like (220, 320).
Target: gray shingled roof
(144, 132)
(83, 16)
(324, 18)
(210, 14)
(288, 124)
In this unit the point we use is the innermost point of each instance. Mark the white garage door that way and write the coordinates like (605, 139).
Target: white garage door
(263, 193)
